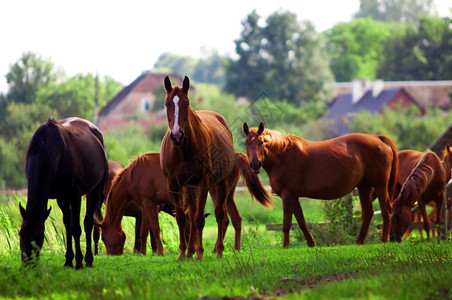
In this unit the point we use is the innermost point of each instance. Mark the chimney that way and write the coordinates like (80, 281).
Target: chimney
(377, 87)
(359, 87)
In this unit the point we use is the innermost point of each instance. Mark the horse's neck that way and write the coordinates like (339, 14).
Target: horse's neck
(195, 130)
(115, 207)
(276, 148)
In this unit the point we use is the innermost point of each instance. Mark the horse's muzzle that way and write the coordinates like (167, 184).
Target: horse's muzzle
(256, 166)
(177, 138)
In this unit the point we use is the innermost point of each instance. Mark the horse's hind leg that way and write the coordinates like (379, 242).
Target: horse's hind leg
(151, 218)
(65, 208)
(236, 219)
(368, 211)
(298, 212)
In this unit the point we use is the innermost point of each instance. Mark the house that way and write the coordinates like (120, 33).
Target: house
(139, 102)
(364, 95)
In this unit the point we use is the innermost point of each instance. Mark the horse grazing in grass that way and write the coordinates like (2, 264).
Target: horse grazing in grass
(65, 160)
(425, 183)
(142, 183)
(325, 170)
(197, 157)
(113, 169)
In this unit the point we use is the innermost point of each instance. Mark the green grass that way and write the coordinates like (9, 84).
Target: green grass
(414, 269)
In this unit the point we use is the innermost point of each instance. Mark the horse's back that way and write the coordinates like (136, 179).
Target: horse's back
(84, 163)
(407, 162)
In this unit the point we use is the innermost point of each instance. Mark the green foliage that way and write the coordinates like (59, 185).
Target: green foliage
(208, 69)
(124, 145)
(30, 73)
(394, 10)
(75, 96)
(356, 48)
(284, 60)
(404, 126)
(420, 53)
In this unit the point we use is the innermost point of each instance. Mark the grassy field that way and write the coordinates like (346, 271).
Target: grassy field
(413, 269)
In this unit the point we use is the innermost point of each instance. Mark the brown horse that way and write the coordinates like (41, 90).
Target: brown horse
(325, 170)
(65, 160)
(197, 157)
(113, 169)
(132, 210)
(142, 183)
(447, 160)
(425, 183)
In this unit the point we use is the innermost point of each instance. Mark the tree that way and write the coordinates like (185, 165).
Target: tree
(75, 96)
(285, 59)
(30, 73)
(406, 11)
(419, 53)
(210, 68)
(183, 65)
(356, 48)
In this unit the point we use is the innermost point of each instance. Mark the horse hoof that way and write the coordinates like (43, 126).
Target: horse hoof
(79, 267)
(199, 257)
(220, 255)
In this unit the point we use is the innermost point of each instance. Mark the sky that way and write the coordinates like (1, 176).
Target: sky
(121, 39)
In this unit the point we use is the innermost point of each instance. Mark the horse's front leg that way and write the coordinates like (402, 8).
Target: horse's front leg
(65, 208)
(199, 221)
(92, 203)
(175, 195)
(424, 215)
(287, 203)
(77, 231)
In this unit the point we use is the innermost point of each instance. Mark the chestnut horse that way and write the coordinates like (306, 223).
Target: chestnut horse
(197, 157)
(425, 183)
(132, 210)
(325, 170)
(113, 169)
(65, 160)
(447, 160)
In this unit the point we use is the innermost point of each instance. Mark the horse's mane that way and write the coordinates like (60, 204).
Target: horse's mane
(40, 137)
(275, 140)
(420, 174)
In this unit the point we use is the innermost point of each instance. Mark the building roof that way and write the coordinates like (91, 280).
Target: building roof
(343, 104)
(146, 82)
(436, 93)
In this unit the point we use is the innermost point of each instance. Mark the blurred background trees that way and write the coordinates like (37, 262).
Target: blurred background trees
(281, 64)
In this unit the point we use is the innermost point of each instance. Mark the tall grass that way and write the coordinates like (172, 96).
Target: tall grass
(414, 269)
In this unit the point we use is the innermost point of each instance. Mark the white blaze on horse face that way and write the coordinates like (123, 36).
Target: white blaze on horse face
(176, 127)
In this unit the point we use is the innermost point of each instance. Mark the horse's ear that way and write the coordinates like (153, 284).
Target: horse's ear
(448, 148)
(261, 128)
(168, 86)
(23, 212)
(186, 85)
(245, 129)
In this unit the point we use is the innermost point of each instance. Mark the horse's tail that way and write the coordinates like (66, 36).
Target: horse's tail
(252, 181)
(394, 168)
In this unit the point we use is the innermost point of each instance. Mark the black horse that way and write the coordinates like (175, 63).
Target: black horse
(65, 160)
